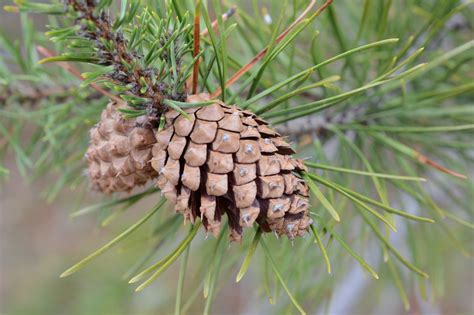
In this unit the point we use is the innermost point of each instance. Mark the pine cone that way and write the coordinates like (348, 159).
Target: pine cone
(120, 151)
(225, 160)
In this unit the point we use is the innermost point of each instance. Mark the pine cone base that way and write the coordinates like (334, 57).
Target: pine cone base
(225, 160)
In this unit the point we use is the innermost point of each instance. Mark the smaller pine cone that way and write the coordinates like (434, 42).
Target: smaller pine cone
(119, 152)
(225, 160)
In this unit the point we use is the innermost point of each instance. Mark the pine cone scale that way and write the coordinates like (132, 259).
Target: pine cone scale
(204, 132)
(196, 154)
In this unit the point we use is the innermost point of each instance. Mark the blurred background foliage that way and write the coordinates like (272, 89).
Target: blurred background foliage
(384, 108)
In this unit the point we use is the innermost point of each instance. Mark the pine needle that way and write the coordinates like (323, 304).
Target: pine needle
(165, 263)
(113, 242)
(364, 173)
(280, 278)
(248, 257)
(321, 247)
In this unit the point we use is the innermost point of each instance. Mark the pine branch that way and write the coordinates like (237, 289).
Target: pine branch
(113, 49)
(361, 128)
(49, 54)
(102, 41)
(32, 95)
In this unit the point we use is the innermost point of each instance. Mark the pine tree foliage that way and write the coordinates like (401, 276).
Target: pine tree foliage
(376, 98)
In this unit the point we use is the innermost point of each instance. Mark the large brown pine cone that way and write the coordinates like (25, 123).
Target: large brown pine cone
(120, 152)
(225, 160)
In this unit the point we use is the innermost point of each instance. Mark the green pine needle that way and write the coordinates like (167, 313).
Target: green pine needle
(364, 173)
(248, 257)
(167, 262)
(113, 242)
(280, 278)
(321, 247)
(319, 195)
